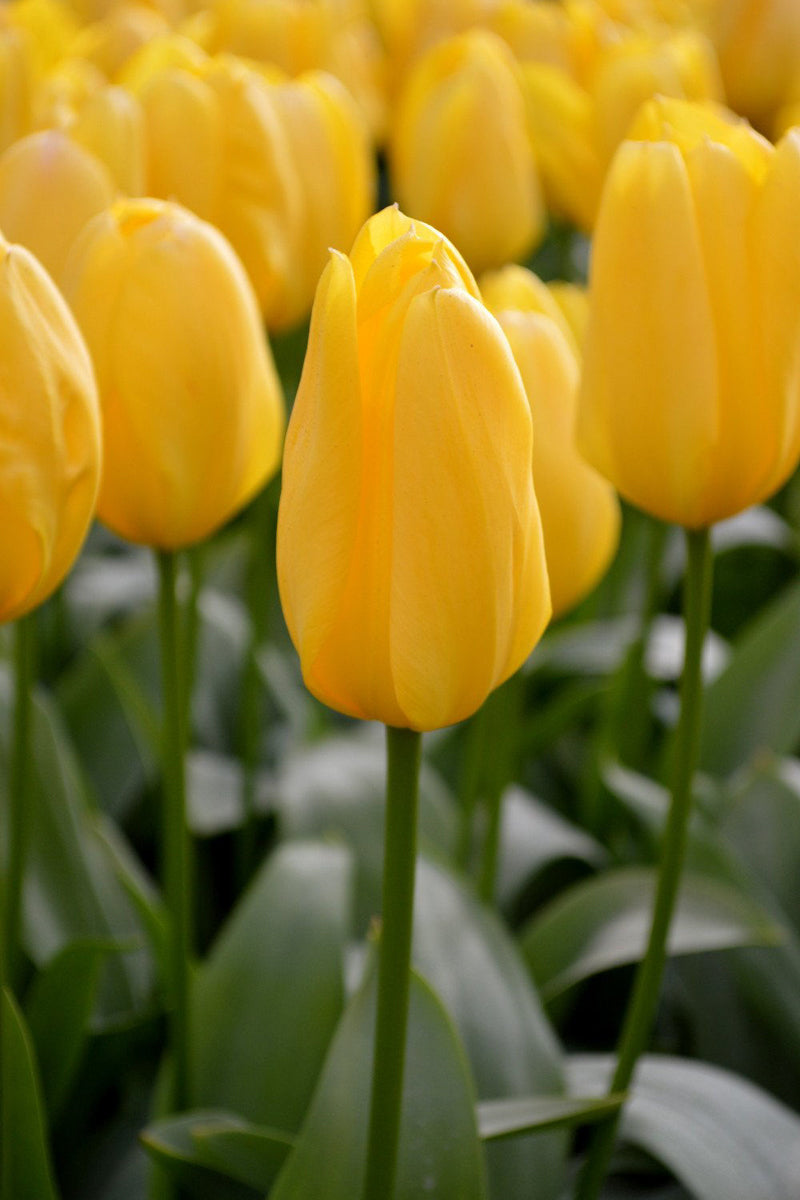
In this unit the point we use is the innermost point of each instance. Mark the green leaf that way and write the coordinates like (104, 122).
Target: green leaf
(722, 1137)
(72, 887)
(529, 1114)
(268, 998)
(439, 1155)
(604, 923)
(754, 705)
(171, 1143)
(242, 1151)
(533, 838)
(468, 957)
(59, 1008)
(337, 788)
(24, 1152)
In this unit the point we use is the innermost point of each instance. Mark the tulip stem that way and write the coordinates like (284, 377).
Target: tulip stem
(643, 1005)
(175, 844)
(399, 864)
(260, 589)
(503, 713)
(18, 805)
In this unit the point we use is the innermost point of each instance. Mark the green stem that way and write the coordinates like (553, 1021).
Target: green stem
(260, 589)
(399, 863)
(643, 1005)
(175, 852)
(477, 737)
(18, 800)
(503, 707)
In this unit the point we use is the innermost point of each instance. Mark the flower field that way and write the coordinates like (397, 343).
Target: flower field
(399, 600)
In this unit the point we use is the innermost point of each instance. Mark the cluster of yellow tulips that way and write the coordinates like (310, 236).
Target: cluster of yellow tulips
(177, 177)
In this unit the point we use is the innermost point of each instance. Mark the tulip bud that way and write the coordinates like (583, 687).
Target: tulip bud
(49, 435)
(580, 511)
(691, 394)
(16, 86)
(758, 43)
(111, 125)
(460, 152)
(410, 558)
(33, 171)
(191, 402)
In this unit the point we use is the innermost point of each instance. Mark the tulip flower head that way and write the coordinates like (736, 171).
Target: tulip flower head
(192, 409)
(460, 154)
(50, 449)
(580, 511)
(690, 400)
(410, 557)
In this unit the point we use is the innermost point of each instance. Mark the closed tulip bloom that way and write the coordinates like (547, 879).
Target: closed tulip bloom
(50, 448)
(460, 153)
(49, 188)
(111, 125)
(16, 86)
(410, 558)
(580, 511)
(691, 387)
(758, 43)
(192, 410)
(576, 126)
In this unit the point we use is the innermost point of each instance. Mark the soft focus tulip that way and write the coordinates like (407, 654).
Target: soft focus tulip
(283, 169)
(758, 43)
(580, 511)
(16, 86)
(336, 36)
(691, 386)
(192, 411)
(460, 153)
(50, 440)
(111, 125)
(576, 127)
(49, 188)
(109, 43)
(410, 558)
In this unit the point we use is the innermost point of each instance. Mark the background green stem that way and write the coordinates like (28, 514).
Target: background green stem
(504, 715)
(176, 866)
(399, 863)
(18, 798)
(643, 1005)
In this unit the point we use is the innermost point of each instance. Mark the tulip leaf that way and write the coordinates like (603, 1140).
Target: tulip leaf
(268, 998)
(533, 839)
(754, 705)
(23, 1139)
(72, 886)
(530, 1114)
(58, 1009)
(216, 1154)
(604, 922)
(721, 1136)
(337, 788)
(466, 954)
(439, 1154)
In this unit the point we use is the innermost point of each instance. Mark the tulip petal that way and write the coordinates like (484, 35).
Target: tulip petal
(469, 593)
(776, 252)
(319, 509)
(649, 411)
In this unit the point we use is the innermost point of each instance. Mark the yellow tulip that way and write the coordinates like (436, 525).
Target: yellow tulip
(576, 126)
(16, 86)
(410, 558)
(49, 188)
(758, 43)
(284, 169)
(111, 125)
(580, 511)
(691, 386)
(460, 153)
(49, 435)
(192, 410)
(110, 42)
